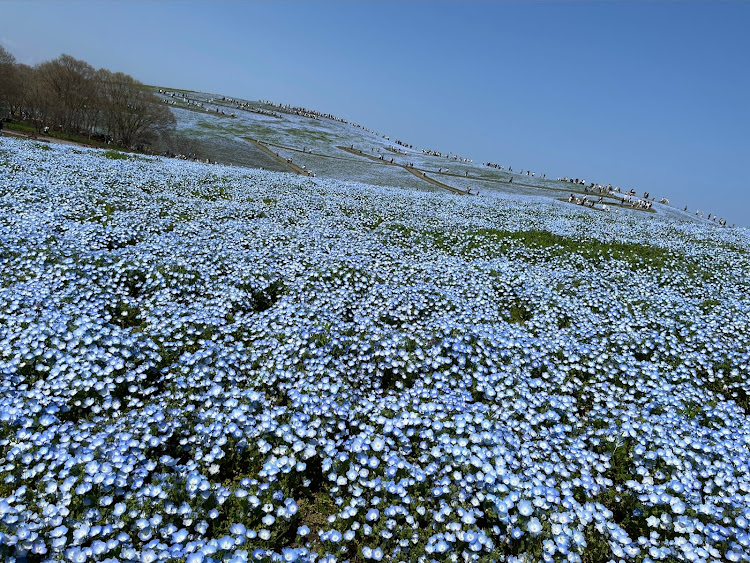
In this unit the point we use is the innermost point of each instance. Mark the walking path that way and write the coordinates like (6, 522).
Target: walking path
(417, 172)
(42, 138)
(293, 167)
(612, 200)
(311, 153)
(197, 109)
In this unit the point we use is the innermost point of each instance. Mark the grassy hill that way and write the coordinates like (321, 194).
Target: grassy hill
(264, 135)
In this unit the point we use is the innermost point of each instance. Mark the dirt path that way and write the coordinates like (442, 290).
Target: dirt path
(421, 174)
(41, 138)
(197, 109)
(608, 199)
(293, 167)
(611, 205)
(310, 153)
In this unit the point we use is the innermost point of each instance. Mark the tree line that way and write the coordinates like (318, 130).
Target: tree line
(70, 96)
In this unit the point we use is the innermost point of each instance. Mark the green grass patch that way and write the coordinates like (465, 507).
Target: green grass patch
(114, 155)
(16, 126)
(309, 135)
(558, 245)
(229, 127)
(31, 129)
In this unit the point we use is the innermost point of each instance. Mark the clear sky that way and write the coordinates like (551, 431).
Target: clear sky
(649, 95)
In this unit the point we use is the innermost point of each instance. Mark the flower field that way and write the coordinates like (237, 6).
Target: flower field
(207, 363)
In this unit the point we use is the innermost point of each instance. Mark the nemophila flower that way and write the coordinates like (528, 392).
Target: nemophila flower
(525, 508)
(58, 532)
(289, 554)
(534, 526)
(733, 556)
(226, 542)
(372, 515)
(489, 411)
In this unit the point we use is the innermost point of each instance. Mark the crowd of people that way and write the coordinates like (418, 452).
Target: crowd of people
(716, 219)
(304, 112)
(586, 202)
(626, 198)
(510, 169)
(187, 100)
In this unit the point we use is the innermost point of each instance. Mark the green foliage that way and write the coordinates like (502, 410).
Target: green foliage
(564, 321)
(18, 126)
(708, 305)
(518, 313)
(134, 281)
(557, 245)
(114, 155)
(691, 410)
(124, 315)
(583, 392)
(597, 548)
(265, 298)
(728, 383)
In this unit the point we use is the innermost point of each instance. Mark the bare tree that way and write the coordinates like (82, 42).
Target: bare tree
(9, 83)
(70, 83)
(70, 95)
(35, 104)
(132, 114)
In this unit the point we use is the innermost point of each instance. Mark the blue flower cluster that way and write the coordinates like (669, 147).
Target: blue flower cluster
(206, 363)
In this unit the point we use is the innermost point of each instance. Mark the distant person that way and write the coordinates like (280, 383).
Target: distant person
(511, 180)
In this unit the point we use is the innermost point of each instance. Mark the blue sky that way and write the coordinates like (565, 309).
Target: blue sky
(649, 95)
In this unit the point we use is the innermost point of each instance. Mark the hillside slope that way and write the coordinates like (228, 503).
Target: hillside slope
(233, 131)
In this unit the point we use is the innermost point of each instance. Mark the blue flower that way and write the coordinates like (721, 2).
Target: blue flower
(525, 508)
